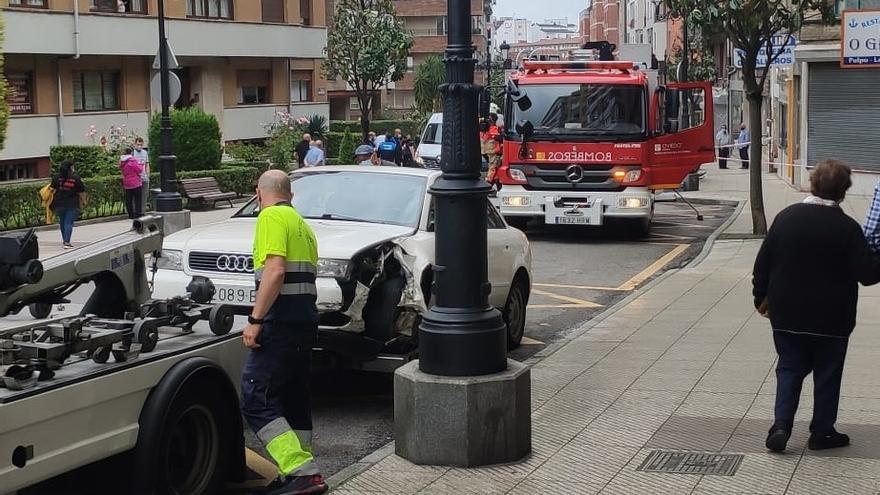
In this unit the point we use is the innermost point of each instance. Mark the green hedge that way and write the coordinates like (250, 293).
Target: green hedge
(195, 138)
(410, 127)
(22, 202)
(89, 161)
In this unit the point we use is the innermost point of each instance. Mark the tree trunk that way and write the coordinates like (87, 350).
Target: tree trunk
(756, 196)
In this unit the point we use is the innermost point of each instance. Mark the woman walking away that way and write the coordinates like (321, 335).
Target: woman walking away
(66, 203)
(806, 280)
(133, 184)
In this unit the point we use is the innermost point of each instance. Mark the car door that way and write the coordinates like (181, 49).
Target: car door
(684, 133)
(502, 251)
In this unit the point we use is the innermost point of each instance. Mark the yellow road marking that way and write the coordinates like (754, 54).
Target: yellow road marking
(581, 287)
(528, 341)
(647, 273)
(572, 301)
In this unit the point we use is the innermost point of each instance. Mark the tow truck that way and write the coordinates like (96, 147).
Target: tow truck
(590, 142)
(149, 383)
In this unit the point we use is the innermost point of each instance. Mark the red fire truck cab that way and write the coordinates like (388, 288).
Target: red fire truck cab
(588, 142)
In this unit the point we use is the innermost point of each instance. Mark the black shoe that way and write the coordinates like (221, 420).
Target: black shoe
(298, 485)
(777, 439)
(830, 440)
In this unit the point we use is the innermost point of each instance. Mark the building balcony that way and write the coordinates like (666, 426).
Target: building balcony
(107, 34)
(249, 121)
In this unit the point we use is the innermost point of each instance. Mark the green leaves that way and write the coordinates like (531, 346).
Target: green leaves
(430, 74)
(195, 136)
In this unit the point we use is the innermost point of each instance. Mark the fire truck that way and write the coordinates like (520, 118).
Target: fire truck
(590, 142)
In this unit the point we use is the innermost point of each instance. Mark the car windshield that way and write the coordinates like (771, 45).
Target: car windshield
(433, 134)
(591, 111)
(391, 199)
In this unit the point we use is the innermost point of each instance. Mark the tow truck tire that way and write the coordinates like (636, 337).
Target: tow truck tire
(147, 333)
(190, 440)
(515, 311)
(40, 310)
(220, 319)
(101, 355)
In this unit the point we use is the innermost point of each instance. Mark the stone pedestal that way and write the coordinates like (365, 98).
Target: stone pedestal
(174, 221)
(462, 421)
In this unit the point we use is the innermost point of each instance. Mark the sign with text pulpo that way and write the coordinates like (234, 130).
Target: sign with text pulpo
(860, 39)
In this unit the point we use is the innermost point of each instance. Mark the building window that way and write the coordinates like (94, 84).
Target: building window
(39, 4)
(20, 96)
(211, 9)
(441, 26)
(400, 99)
(354, 104)
(305, 11)
(120, 6)
(477, 24)
(273, 10)
(95, 91)
(253, 87)
(410, 64)
(18, 171)
(301, 86)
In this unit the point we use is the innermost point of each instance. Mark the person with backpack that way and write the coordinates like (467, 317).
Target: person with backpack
(389, 149)
(68, 197)
(133, 183)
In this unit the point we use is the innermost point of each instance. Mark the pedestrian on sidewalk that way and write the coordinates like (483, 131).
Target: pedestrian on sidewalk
(142, 156)
(722, 142)
(872, 223)
(806, 281)
(302, 149)
(743, 142)
(282, 329)
(132, 182)
(315, 156)
(68, 200)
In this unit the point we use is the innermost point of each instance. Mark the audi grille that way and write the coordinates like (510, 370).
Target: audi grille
(221, 262)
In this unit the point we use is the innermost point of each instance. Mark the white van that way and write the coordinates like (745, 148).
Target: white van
(428, 152)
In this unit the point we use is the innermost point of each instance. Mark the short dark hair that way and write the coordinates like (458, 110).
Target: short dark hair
(139, 140)
(830, 180)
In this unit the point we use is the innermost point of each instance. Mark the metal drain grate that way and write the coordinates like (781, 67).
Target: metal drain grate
(709, 463)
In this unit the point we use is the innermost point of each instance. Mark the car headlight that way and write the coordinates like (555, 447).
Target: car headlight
(329, 268)
(170, 259)
(633, 202)
(515, 201)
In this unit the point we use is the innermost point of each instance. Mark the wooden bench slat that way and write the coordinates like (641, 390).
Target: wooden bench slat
(204, 189)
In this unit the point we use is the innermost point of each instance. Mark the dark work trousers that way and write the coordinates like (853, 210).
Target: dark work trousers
(744, 156)
(799, 355)
(723, 153)
(134, 202)
(275, 380)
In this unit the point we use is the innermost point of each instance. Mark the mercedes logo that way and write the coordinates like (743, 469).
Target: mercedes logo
(574, 173)
(239, 263)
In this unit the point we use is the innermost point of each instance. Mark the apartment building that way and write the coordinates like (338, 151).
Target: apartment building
(510, 30)
(426, 20)
(74, 64)
(605, 20)
(550, 49)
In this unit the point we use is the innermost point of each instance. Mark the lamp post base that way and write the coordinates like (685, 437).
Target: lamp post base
(462, 421)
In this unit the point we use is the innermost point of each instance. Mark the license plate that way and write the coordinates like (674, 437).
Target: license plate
(574, 220)
(236, 295)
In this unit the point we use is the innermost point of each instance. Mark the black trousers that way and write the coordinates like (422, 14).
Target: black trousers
(799, 355)
(744, 156)
(723, 153)
(134, 202)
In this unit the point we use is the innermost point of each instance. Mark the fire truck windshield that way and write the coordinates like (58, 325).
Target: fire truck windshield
(574, 112)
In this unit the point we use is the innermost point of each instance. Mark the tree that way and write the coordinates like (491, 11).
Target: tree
(752, 25)
(701, 61)
(430, 74)
(4, 106)
(367, 48)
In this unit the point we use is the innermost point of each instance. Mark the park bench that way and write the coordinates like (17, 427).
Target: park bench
(203, 190)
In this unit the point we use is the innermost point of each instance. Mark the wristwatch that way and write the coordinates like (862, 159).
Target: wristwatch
(254, 321)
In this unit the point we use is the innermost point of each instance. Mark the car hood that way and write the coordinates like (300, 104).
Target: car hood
(336, 239)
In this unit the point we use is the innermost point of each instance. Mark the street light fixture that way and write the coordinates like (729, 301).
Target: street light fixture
(169, 199)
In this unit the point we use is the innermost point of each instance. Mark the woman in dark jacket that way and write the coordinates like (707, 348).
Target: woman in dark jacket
(66, 203)
(806, 280)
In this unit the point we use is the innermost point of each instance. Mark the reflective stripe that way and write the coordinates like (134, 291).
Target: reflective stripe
(305, 439)
(305, 288)
(293, 267)
(285, 447)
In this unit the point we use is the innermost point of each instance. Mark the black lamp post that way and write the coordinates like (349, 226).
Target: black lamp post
(461, 334)
(169, 199)
(505, 54)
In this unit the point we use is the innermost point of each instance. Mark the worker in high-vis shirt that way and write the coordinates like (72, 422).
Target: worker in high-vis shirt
(282, 329)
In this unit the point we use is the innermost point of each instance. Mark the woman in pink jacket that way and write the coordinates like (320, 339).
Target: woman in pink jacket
(132, 182)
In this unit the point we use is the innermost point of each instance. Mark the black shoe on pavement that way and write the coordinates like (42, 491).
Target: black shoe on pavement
(830, 440)
(777, 439)
(298, 485)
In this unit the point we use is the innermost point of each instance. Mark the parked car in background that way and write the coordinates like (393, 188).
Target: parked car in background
(428, 153)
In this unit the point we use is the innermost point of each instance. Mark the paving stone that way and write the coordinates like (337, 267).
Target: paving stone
(843, 467)
(683, 440)
(468, 483)
(585, 465)
(715, 404)
(390, 482)
(531, 487)
(824, 485)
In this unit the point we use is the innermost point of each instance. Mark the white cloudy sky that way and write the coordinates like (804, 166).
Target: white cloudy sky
(537, 10)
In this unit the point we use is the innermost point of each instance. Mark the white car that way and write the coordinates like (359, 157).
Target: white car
(374, 227)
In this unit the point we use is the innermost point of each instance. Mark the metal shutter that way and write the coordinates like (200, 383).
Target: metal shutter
(844, 116)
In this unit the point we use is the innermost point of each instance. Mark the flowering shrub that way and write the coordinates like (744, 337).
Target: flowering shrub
(115, 141)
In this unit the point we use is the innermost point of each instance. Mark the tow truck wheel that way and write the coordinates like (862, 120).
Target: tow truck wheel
(220, 319)
(147, 332)
(515, 312)
(40, 310)
(101, 355)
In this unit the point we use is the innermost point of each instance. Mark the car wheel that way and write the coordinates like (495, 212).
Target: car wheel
(515, 312)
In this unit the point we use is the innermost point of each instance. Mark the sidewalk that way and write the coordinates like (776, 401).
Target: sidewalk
(686, 365)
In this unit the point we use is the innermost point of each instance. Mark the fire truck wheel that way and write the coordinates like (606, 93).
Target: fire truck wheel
(40, 310)
(515, 311)
(220, 319)
(147, 333)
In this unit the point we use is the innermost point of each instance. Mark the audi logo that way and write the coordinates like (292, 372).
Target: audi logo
(574, 174)
(238, 263)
